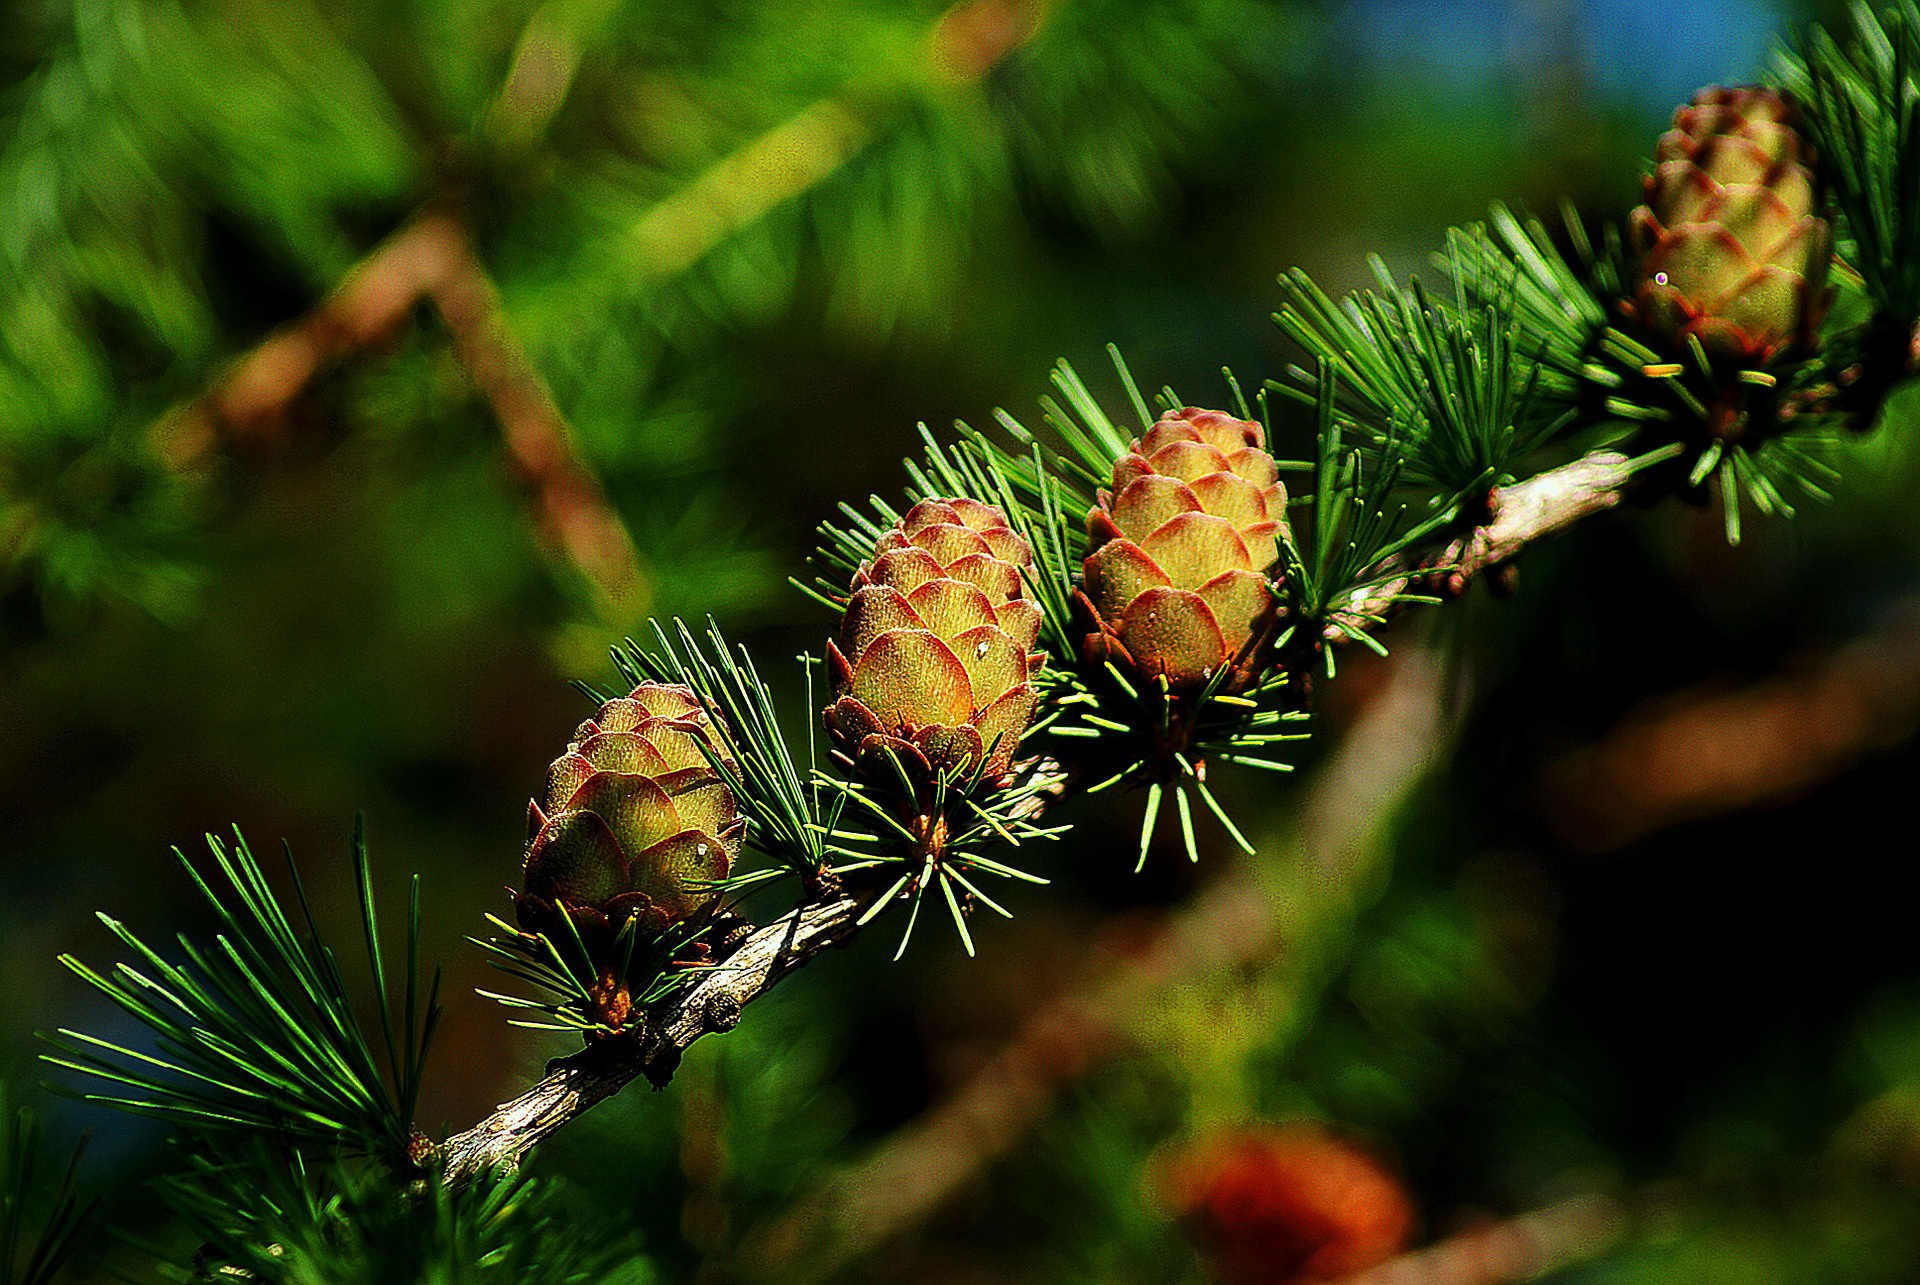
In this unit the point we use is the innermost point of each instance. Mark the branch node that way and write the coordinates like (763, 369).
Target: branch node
(723, 1012)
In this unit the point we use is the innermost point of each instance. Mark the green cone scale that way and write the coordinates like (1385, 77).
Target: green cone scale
(635, 818)
(936, 650)
(1184, 547)
(1734, 251)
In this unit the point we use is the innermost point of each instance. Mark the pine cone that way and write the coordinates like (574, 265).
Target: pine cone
(936, 647)
(1183, 551)
(634, 816)
(1733, 248)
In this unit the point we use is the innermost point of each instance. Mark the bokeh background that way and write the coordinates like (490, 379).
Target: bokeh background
(366, 369)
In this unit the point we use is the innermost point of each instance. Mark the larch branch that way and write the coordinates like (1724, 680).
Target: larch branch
(1712, 749)
(1232, 922)
(575, 1084)
(1527, 511)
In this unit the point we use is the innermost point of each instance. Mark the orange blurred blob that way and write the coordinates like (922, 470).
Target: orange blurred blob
(1286, 1206)
(973, 36)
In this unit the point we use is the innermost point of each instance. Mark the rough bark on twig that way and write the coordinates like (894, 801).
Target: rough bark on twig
(1524, 512)
(576, 1083)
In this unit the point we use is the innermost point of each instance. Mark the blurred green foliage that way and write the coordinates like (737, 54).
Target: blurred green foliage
(1715, 1023)
(180, 178)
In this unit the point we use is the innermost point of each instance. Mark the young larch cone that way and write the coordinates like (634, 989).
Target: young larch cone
(935, 654)
(634, 819)
(1184, 549)
(1287, 1206)
(1733, 247)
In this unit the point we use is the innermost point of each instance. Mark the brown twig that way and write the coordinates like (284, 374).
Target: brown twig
(572, 512)
(429, 260)
(249, 407)
(577, 1083)
(1523, 513)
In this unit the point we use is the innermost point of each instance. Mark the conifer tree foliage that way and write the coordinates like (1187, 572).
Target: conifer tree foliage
(1127, 596)
(508, 168)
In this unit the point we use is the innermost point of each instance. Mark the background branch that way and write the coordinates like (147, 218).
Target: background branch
(1239, 920)
(1514, 1249)
(1710, 750)
(429, 260)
